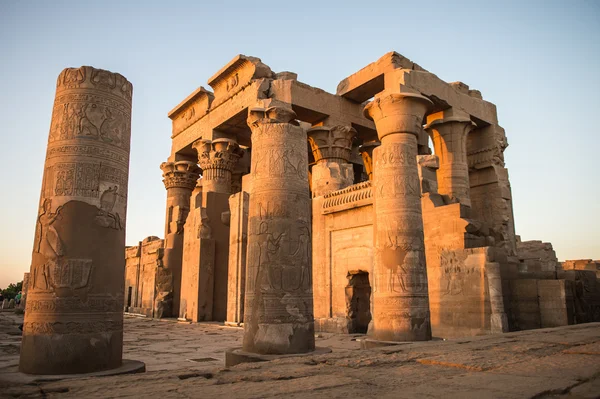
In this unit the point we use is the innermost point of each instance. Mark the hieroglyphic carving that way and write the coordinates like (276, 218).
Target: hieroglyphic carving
(91, 117)
(278, 281)
(400, 292)
(72, 327)
(98, 303)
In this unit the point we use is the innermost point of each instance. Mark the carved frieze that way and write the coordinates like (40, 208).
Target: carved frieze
(355, 196)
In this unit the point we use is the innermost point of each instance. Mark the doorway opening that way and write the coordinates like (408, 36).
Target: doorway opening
(130, 292)
(358, 301)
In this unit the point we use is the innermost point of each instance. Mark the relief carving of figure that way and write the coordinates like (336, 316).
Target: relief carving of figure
(204, 230)
(103, 78)
(105, 217)
(85, 125)
(74, 77)
(48, 244)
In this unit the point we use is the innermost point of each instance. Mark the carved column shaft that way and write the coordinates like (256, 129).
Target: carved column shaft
(217, 159)
(74, 321)
(448, 131)
(400, 293)
(278, 311)
(180, 180)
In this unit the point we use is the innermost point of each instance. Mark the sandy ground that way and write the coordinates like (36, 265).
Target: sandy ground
(187, 361)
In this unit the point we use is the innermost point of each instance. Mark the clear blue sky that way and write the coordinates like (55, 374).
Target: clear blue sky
(538, 61)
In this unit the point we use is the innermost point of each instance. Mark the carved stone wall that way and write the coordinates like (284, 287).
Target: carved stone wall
(74, 321)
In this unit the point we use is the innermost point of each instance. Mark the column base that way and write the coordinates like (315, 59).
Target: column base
(236, 356)
(13, 375)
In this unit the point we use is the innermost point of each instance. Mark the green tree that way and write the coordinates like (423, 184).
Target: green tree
(12, 290)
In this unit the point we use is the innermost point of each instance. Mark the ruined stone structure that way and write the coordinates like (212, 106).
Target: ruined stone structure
(334, 209)
(73, 319)
(144, 269)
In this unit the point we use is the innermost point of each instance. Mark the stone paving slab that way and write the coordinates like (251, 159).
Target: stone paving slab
(187, 361)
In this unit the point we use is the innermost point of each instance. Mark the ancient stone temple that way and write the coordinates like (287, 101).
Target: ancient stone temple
(73, 319)
(384, 208)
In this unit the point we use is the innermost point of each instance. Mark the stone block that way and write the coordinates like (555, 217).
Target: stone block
(525, 304)
(555, 302)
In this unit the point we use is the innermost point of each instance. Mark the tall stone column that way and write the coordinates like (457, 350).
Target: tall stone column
(400, 296)
(366, 151)
(448, 130)
(331, 147)
(74, 316)
(278, 316)
(180, 180)
(217, 159)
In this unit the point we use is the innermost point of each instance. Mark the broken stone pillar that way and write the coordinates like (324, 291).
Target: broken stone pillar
(331, 148)
(24, 288)
(238, 245)
(400, 294)
(217, 159)
(180, 179)
(278, 316)
(366, 150)
(448, 130)
(197, 274)
(74, 316)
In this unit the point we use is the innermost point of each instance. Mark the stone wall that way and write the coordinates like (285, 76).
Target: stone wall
(536, 256)
(143, 264)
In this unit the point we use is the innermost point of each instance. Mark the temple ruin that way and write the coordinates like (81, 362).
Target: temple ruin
(385, 207)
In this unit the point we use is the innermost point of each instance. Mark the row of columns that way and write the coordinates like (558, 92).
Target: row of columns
(278, 298)
(217, 160)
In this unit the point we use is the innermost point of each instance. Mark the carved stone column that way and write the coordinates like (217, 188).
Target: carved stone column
(180, 180)
(74, 316)
(366, 150)
(400, 296)
(217, 159)
(331, 147)
(448, 130)
(278, 311)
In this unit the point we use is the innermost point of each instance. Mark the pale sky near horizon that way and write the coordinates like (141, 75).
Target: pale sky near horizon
(538, 61)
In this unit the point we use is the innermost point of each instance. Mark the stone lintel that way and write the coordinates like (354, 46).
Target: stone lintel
(237, 74)
(316, 106)
(229, 116)
(193, 108)
(199, 92)
(443, 95)
(311, 105)
(369, 81)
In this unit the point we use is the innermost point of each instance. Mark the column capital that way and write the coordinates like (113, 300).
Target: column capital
(183, 174)
(271, 111)
(449, 130)
(447, 117)
(331, 143)
(366, 150)
(218, 154)
(398, 112)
